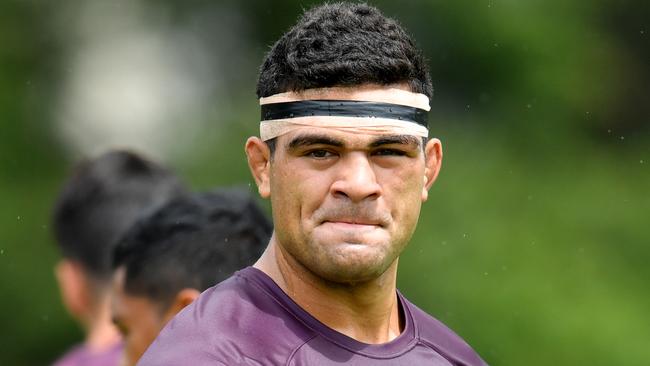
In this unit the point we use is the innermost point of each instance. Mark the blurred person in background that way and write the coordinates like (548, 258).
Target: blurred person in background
(101, 199)
(168, 258)
(345, 159)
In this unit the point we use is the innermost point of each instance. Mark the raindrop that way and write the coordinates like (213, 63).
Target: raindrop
(18, 217)
(496, 45)
(444, 242)
(225, 240)
(642, 31)
(641, 161)
(529, 106)
(504, 268)
(485, 273)
(467, 106)
(622, 137)
(2, 251)
(609, 131)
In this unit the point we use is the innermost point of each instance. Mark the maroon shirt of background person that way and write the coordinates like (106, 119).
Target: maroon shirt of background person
(82, 355)
(249, 320)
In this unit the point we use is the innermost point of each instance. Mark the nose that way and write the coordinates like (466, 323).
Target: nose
(356, 179)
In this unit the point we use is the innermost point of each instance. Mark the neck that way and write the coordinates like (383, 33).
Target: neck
(366, 311)
(100, 331)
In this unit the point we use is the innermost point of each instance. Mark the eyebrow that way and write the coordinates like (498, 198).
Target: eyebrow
(307, 140)
(396, 139)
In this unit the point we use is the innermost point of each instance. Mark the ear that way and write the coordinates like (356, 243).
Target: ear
(259, 161)
(432, 164)
(73, 285)
(183, 298)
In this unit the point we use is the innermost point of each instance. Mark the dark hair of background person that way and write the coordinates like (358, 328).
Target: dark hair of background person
(102, 198)
(192, 242)
(343, 44)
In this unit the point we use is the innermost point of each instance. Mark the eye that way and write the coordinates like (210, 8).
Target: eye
(389, 152)
(319, 154)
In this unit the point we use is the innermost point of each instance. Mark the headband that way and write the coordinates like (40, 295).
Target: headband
(359, 110)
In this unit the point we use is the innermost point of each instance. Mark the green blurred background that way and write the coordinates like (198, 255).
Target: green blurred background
(534, 244)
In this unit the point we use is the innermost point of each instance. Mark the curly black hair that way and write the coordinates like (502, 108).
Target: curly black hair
(343, 44)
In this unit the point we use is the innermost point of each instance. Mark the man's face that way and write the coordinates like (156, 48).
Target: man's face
(136, 317)
(346, 204)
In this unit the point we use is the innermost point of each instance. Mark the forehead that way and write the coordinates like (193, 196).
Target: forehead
(306, 136)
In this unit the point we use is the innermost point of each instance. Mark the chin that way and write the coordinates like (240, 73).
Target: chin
(348, 263)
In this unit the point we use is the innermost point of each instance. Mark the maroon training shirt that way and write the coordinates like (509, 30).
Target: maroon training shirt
(249, 320)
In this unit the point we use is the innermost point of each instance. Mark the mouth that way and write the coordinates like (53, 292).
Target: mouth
(352, 223)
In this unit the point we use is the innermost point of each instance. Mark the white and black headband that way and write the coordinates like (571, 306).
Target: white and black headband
(366, 110)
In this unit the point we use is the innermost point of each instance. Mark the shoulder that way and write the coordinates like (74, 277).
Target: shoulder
(234, 322)
(434, 334)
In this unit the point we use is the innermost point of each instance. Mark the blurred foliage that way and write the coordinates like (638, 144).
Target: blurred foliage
(533, 244)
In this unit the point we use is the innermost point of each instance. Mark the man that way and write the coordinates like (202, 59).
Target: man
(345, 159)
(98, 203)
(166, 260)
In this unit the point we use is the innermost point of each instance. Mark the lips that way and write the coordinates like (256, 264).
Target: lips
(352, 216)
(353, 221)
